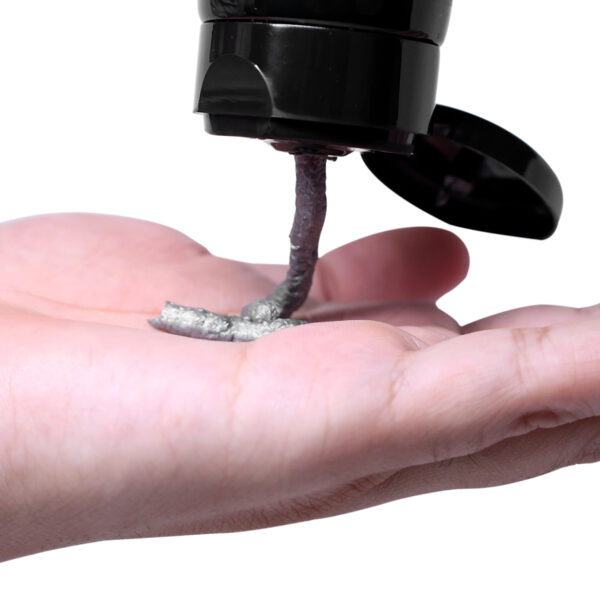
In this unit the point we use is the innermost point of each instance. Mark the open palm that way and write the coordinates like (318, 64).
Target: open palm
(110, 429)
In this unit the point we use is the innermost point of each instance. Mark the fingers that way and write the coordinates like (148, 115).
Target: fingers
(104, 263)
(512, 460)
(418, 315)
(115, 265)
(97, 261)
(405, 264)
(474, 391)
(533, 316)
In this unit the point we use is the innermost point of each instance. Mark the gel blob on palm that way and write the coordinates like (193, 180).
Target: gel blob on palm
(321, 79)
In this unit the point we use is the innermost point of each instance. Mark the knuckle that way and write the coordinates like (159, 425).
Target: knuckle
(541, 419)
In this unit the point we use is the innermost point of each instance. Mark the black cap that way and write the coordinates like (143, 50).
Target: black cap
(471, 173)
(333, 76)
(308, 74)
(421, 19)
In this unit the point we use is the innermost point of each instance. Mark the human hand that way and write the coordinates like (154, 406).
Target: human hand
(110, 429)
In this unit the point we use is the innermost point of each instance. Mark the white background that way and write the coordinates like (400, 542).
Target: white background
(95, 116)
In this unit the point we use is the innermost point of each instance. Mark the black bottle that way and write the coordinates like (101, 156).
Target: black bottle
(334, 76)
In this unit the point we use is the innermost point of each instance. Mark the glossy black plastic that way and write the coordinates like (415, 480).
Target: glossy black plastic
(471, 173)
(420, 19)
(333, 76)
(320, 80)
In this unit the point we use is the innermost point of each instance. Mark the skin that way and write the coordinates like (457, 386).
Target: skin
(111, 430)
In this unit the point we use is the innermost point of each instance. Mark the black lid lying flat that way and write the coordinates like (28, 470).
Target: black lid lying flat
(471, 173)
